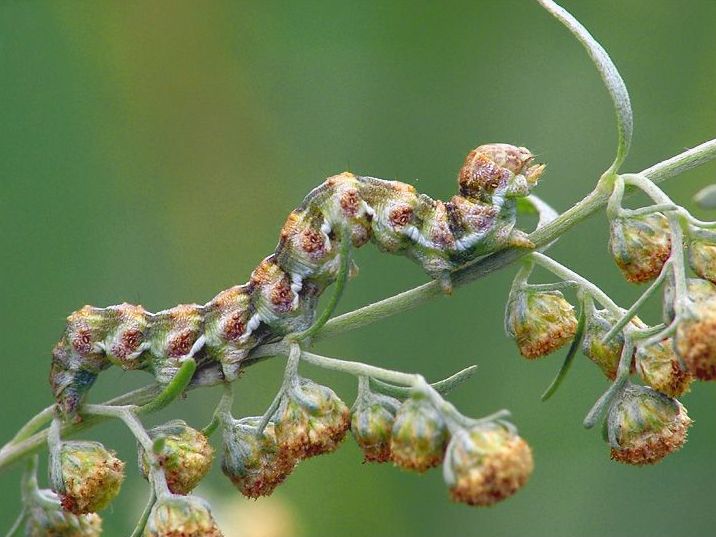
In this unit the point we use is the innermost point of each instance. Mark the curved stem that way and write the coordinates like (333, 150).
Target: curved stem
(172, 390)
(18, 523)
(565, 273)
(443, 387)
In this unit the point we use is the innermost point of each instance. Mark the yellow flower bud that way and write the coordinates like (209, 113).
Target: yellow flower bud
(45, 519)
(640, 246)
(702, 258)
(372, 426)
(540, 322)
(181, 516)
(419, 435)
(644, 426)
(485, 465)
(659, 367)
(695, 340)
(91, 477)
(185, 456)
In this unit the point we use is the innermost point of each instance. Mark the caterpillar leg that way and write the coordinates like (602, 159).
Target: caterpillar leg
(519, 239)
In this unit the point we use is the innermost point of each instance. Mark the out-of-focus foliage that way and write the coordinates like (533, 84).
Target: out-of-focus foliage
(149, 152)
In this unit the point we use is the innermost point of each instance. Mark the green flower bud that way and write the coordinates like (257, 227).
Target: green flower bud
(540, 322)
(185, 455)
(181, 516)
(91, 477)
(605, 355)
(640, 246)
(372, 425)
(695, 340)
(419, 435)
(643, 426)
(256, 464)
(485, 465)
(659, 367)
(702, 258)
(44, 520)
(311, 420)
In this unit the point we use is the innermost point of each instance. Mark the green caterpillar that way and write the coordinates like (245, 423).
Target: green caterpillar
(283, 290)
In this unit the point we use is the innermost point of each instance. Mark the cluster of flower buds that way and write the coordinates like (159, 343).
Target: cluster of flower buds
(640, 245)
(644, 425)
(90, 477)
(47, 518)
(372, 425)
(486, 464)
(311, 420)
(482, 465)
(253, 461)
(184, 454)
(540, 321)
(181, 516)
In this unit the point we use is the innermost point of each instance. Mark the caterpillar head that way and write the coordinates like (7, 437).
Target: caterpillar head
(498, 169)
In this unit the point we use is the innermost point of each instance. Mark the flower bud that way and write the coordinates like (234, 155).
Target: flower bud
(697, 289)
(181, 516)
(44, 519)
(372, 425)
(185, 455)
(605, 355)
(640, 246)
(643, 426)
(311, 420)
(485, 465)
(695, 340)
(659, 367)
(91, 477)
(702, 258)
(540, 322)
(419, 435)
(255, 463)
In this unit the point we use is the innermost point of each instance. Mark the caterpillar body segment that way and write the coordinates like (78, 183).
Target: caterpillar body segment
(282, 292)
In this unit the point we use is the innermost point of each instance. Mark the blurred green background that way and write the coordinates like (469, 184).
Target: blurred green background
(150, 151)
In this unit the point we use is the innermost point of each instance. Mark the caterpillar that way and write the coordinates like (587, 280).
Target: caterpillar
(282, 292)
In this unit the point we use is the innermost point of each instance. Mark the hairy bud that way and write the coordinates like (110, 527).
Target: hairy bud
(659, 367)
(185, 455)
(644, 426)
(254, 462)
(605, 355)
(485, 465)
(419, 435)
(91, 477)
(45, 519)
(372, 425)
(698, 290)
(181, 516)
(540, 322)
(702, 258)
(695, 340)
(640, 246)
(311, 420)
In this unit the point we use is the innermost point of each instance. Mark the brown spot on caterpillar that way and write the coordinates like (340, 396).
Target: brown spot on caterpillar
(82, 341)
(234, 327)
(289, 225)
(181, 344)
(282, 296)
(350, 202)
(129, 342)
(401, 215)
(312, 241)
